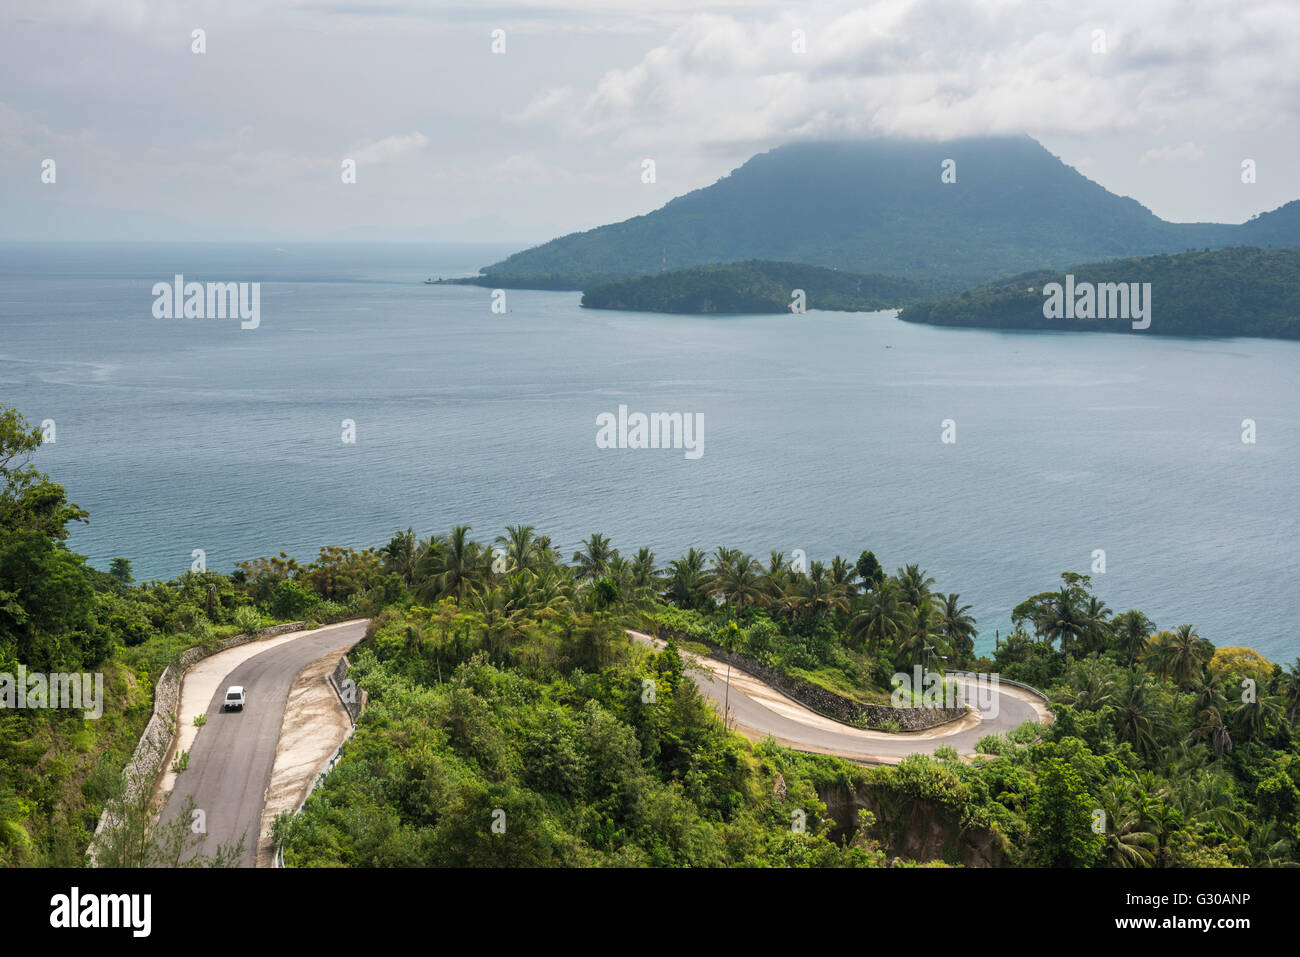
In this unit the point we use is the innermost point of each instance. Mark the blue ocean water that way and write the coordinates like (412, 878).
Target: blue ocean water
(822, 431)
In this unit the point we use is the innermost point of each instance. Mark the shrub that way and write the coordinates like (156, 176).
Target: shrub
(247, 619)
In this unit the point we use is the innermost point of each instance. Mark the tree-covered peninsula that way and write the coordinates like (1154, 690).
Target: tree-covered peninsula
(754, 286)
(1240, 291)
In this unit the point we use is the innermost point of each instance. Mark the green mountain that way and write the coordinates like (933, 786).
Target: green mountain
(1242, 291)
(751, 287)
(880, 207)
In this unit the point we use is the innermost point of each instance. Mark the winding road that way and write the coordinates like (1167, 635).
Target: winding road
(233, 753)
(759, 711)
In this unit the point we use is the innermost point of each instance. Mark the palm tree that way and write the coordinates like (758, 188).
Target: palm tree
(1091, 685)
(920, 640)
(844, 576)
(592, 560)
(737, 579)
(1140, 718)
(914, 585)
(820, 592)
(1096, 625)
(1259, 718)
(645, 577)
(520, 547)
(1206, 795)
(1128, 840)
(1059, 618)
(1207, 692)
(401, 556)
(464, 562)
(1269, 844)
(777, 579)
(1131, 630)
(491, 605)
(1184, 654)
(881, 620)
(428, 571)
(687, 585)
(957, 626)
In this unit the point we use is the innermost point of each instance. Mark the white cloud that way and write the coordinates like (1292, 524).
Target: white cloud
(389, 148)
(943, 68)
(1185, 153)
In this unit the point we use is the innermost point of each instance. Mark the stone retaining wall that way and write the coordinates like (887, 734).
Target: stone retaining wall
(159, 734)
(824, 701)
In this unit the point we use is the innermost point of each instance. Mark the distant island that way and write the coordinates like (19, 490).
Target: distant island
(1241, 291)
(751, 287)
(950, 214)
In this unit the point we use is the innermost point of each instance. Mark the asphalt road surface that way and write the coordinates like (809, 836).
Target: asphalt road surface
(759, 711)
(232, 756)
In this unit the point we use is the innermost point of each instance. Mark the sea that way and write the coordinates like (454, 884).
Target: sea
(367, 401)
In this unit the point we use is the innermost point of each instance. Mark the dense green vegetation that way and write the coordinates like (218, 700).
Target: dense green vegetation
(751, 287)
(58, 767)
(1243, 291)
(880, 207)
(505, 684)
(504, 690)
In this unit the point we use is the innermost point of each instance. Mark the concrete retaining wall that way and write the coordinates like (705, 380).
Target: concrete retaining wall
(353, 698)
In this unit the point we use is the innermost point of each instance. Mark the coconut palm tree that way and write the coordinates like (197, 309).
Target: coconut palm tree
(920, 641)
(1257, 719)
(592, 560)
(957, 626)
(644, 580)
(687, 585)
(880, 621)
(401, 556)
(1091, 685)
(820, 592)
(520, 545)
(1128, 840)
(1131, 630)
(464, 563)
(777, 579)
(914, 585)
(1096, 625)
(844, 576)
(1060, 618)
(737, 579)
(1140, 717)
(1183, 655)
(491, 604)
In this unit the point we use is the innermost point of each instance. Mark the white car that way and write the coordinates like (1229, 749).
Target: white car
(235, 699)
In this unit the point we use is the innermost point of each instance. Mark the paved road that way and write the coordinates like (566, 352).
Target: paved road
(759, 711)
(232, 756)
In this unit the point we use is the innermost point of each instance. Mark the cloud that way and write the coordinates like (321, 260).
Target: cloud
(942, 68)
(1186, 153)
(389, 148)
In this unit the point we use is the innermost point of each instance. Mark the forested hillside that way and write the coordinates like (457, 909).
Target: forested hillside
(751, 287)
(1242, 291)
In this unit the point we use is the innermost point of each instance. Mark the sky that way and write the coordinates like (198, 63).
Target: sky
(1161, 100)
